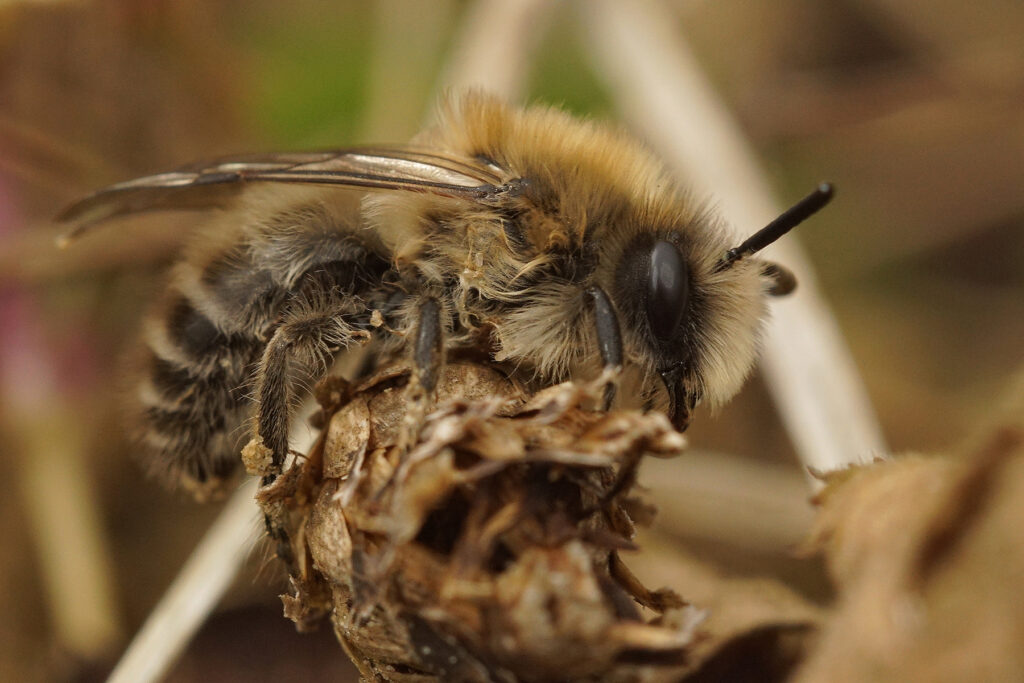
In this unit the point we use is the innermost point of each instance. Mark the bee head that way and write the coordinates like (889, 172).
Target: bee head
(696, 320)
(592, 248)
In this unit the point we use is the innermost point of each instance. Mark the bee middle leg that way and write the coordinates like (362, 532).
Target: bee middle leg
(428, 357)
(428, 349)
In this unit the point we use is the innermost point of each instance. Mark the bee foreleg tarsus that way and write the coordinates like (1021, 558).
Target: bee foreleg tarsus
(609, 337)
(428, 349)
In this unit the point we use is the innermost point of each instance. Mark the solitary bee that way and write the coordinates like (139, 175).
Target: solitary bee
(565, 245)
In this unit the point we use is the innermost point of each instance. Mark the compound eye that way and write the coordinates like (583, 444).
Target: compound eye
(668, 286)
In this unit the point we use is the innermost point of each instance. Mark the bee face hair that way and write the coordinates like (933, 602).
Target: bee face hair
(564, 243)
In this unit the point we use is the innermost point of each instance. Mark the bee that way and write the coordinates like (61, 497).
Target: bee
(564, 244)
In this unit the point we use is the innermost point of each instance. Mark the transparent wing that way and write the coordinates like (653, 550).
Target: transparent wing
(212, 184)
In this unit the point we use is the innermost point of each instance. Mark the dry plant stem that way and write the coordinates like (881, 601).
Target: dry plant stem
(61, 507)
(729, 499)
(195, 592)
(494, 45)
(74, 558)
(203, 580)
(658, 84)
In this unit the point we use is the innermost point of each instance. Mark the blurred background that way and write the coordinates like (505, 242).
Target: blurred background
(914, 109)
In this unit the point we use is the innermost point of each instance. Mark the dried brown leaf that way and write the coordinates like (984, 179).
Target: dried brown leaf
(928, 556)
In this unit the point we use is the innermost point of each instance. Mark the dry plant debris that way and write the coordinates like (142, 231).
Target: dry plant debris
(480, 542)
(928, 556)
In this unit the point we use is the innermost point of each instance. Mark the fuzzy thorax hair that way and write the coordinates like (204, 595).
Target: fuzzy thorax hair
(592, 202)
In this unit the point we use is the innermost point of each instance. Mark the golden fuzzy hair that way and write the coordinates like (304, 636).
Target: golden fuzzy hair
(592, 188)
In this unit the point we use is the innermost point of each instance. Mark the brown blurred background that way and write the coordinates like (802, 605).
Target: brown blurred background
(914, 109)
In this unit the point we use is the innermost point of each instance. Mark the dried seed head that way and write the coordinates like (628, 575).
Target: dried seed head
(484, 544)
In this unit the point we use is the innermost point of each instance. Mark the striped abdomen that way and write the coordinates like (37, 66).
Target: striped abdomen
(204, 345)
(193, 395)
(236, 287)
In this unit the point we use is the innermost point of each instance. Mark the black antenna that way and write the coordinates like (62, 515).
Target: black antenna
(790, 218)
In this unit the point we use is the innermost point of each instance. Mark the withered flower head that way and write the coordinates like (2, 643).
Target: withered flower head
(480, 542)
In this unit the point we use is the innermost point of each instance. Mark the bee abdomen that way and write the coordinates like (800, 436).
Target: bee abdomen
(193, 397)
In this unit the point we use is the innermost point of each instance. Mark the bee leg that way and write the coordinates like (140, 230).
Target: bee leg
(428, 356)
(609, 338)
(312, 329)
(309, 335)
(428, 352)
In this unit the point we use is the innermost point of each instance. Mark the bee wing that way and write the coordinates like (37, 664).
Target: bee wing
(212, 184)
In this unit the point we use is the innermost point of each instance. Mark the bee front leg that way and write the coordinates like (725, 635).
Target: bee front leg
(609, 337)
